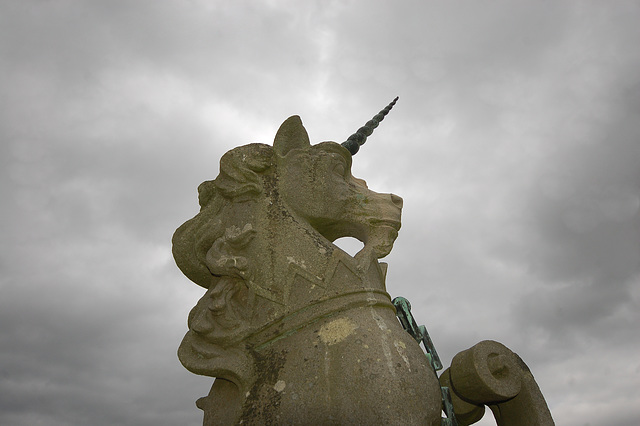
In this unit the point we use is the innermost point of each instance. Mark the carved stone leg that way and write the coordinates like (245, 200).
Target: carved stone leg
(491, 374)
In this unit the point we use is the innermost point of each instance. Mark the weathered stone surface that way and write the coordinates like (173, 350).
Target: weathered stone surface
(466, 412)
(295, 330)
(490, 374)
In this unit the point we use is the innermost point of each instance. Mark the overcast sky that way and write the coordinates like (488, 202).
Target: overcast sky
(515, 145)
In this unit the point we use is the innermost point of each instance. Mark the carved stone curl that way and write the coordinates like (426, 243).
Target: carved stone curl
(491, 374)
(295, 330)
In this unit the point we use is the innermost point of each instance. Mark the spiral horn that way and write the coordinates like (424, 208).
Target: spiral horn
(354, 141)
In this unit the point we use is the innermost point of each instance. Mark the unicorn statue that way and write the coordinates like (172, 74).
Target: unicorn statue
(293, 329)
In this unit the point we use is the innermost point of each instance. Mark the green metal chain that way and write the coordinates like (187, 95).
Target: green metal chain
(420, 334)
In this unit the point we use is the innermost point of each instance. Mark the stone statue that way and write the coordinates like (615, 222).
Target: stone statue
(295, 330)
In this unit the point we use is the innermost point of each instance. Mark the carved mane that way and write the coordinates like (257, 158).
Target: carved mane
(242, 171)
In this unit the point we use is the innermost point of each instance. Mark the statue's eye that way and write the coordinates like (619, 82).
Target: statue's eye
(338, 165)
(340, 168)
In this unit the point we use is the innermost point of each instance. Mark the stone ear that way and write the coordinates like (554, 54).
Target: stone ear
(291, 135)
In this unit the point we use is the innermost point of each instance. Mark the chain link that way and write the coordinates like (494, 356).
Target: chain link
(420, 334)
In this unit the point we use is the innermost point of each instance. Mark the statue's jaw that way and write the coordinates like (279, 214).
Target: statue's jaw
(377, 235)
(381, 239)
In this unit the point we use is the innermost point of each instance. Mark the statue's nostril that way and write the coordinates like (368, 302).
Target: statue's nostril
(396, 200)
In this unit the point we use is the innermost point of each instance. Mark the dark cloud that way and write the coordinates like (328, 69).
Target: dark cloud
(514, 145)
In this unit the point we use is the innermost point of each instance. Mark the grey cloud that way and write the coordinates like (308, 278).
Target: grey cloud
(514, 145)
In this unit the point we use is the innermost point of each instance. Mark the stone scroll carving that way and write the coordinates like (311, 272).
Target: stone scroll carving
(490, 374)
